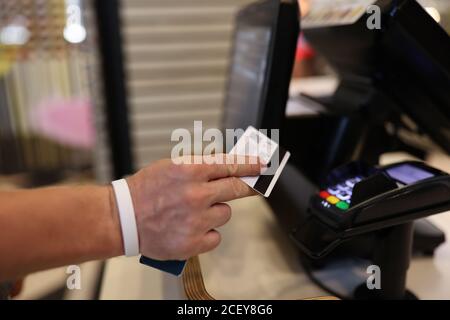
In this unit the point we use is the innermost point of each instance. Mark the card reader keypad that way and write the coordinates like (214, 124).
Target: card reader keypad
(339, 195)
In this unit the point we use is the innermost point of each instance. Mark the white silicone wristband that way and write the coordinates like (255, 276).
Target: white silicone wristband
(127, 217)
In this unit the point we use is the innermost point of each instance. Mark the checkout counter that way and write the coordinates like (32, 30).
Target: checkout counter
(310, 239)
(256, 260)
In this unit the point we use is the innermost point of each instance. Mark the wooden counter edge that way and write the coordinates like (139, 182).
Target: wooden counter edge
(194, 286)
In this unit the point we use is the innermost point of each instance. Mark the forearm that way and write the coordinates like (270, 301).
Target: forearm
(45, 228)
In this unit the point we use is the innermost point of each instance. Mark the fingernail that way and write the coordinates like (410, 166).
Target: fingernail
(263, 162)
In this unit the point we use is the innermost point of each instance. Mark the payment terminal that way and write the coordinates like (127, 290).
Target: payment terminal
(357, 199)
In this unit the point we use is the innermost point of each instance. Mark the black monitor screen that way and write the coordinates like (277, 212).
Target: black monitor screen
(249, 63)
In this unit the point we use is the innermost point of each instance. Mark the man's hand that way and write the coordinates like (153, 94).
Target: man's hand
(178, 207)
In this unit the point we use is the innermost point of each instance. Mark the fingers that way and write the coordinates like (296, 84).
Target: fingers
(218, 215)
(210, 241)
(233, 166)
(230, 188)
(218, 166)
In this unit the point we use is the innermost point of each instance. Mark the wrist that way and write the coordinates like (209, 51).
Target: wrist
(113, 233)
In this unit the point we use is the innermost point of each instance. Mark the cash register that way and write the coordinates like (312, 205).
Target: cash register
(340, 207)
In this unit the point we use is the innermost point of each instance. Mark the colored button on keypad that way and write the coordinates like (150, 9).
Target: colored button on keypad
(324, 194)
(333, 199)
(342, 205)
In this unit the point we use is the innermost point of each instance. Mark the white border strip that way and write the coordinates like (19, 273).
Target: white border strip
(277, 174)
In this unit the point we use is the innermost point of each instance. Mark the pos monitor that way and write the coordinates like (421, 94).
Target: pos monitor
(402, 67)
(262, 59)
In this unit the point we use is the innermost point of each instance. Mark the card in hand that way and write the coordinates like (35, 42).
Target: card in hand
(255, 143)
(252, 143)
